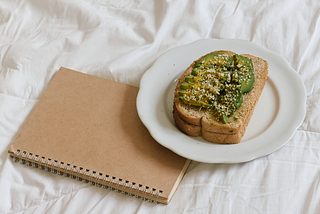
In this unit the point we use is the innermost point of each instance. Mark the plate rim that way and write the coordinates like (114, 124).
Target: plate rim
(160, 61)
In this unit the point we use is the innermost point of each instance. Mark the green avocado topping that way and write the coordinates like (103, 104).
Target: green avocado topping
(218, 82)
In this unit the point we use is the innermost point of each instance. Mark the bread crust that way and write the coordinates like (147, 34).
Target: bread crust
(189, 129)
(195, 121)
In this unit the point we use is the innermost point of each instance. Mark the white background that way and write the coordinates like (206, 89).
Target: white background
(120, 40)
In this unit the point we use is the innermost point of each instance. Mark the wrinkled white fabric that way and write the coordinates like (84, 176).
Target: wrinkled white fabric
(120, 40)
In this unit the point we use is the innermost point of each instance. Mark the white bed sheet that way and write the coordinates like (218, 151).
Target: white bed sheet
(120, 40)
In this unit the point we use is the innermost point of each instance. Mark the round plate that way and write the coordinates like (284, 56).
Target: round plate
(279, 112)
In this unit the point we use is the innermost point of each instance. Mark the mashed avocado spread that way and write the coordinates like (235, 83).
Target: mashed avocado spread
(218, 82)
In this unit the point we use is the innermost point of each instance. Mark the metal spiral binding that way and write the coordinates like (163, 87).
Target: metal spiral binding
(130, 189)
(15, 156)
(28, 162)
(52, 167)
(59, 168)
(151, 195)
(92, 180)
(71, 173)
(39, 164)
(21, 156)
(111, 182)
(157, 196)
(91, 177)
(78, 174)
(65, 172)
(97, 180)
(84, 176)
(46, 165)
(117, 185)
(143, 197)
(124, 187)
(104, 182)
(137, 190)
(33, 162)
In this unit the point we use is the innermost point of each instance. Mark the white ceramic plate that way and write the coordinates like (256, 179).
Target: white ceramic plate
(279, 112)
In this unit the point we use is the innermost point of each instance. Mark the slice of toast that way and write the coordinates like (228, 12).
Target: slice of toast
(197, 121)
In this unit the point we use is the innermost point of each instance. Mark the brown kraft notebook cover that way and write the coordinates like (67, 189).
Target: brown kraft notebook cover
(88, 128)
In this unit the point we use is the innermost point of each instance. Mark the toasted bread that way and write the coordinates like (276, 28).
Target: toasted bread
(198, 121)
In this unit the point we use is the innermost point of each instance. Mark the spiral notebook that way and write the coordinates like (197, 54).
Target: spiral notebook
(87, 128)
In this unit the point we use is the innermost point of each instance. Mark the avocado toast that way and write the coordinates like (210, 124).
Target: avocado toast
(216, 96)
